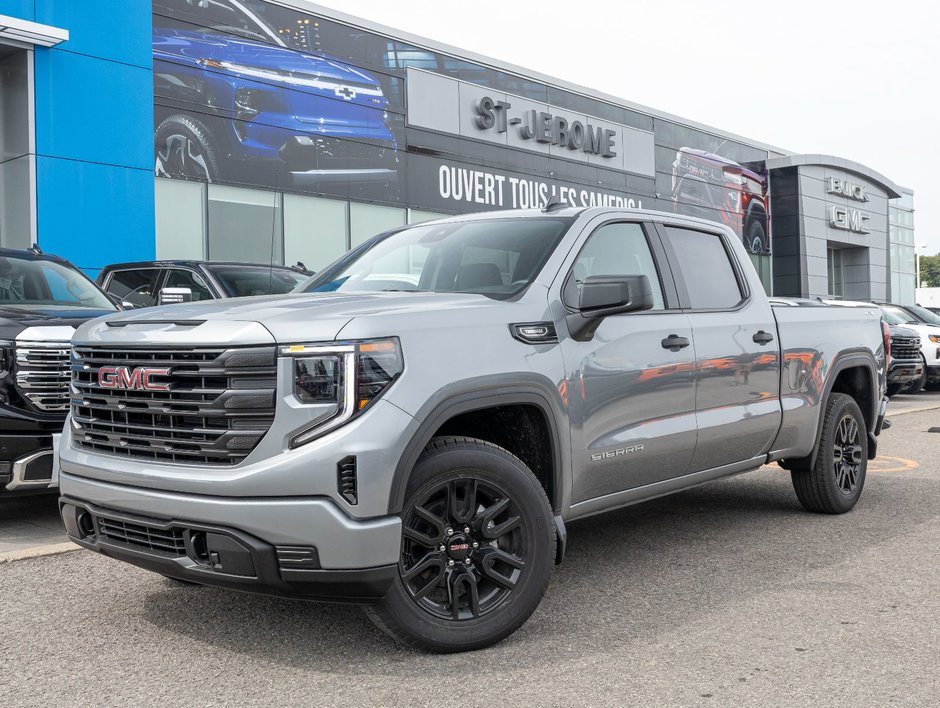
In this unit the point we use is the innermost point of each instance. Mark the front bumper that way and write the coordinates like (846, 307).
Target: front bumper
(905, 372)
(289, 547)
(27, 463)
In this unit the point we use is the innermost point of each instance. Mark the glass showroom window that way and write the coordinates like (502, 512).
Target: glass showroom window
(180, 219)
(315, 230)
(836, 277)
(416, 216)
(245, 225)
(366, 220)
(17, 165)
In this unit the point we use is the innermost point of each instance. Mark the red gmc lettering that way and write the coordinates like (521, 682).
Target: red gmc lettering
(112, 377)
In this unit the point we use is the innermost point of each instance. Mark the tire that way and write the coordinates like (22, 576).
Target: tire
(918, 385)
(755, 235)
(834, 483)
(487, 581)
(183, 149)
(893, 389)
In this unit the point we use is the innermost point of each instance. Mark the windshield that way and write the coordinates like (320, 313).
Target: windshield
(245, 281)
(26, 282)
(494, 257)
(924, 315)
(895, 316)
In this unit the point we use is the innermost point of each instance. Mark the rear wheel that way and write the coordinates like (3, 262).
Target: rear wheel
(834, 483)
(478, 546)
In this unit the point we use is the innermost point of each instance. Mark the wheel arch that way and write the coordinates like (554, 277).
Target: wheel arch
(476, 397)
(854, 373)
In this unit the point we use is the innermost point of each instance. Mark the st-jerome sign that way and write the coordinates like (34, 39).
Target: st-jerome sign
(544, 127)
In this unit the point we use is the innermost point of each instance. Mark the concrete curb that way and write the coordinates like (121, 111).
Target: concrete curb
(49, 549)
(932, 407)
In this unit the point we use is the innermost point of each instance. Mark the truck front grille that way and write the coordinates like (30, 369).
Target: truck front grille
(42, 374)
(903, 348)
(205, 406)
(163, 540)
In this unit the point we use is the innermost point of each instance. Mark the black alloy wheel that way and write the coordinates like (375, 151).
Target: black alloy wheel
(477, 551)
(847, 455)
(464, 548)
(833, 483)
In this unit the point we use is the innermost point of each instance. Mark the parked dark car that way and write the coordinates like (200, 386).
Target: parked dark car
(43, 298)
(142, 283)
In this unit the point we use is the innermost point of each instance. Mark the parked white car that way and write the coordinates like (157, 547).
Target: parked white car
(922, 321)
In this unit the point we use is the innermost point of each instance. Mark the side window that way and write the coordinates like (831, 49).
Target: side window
(705, 268)
(134, 286)
(187, 279)
(619, 249)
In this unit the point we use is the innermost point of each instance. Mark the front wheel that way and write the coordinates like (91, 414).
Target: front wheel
(478, 547)
(834, 483)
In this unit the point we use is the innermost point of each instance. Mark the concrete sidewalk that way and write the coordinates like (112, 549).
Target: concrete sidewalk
(30, 526)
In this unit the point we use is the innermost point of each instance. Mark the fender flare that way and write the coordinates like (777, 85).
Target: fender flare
(847, 360)
(476, 394)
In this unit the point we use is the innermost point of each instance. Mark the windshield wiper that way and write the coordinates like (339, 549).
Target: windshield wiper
(399, 290)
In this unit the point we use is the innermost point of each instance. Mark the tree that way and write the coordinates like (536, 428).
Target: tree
(930, 271)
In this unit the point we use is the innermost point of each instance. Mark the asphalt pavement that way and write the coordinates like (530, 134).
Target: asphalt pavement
(725, 594)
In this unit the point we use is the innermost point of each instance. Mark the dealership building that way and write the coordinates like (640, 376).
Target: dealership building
(263, 130)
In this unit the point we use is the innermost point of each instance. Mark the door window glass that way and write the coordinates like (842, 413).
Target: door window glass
(619, 249)
(705, 268)
(177, 278)
(134, 286)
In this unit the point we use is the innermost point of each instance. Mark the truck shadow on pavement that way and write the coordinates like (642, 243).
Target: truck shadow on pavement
(629, 576)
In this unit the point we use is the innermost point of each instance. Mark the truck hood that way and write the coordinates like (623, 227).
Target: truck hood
(302, 317)
(13, 320)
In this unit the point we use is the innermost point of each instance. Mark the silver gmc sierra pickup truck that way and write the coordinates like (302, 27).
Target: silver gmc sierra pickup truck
(412, 428)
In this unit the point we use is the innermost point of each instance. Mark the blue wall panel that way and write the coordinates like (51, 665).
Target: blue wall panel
(94, 132)
(94, 214)
(23, 9)
(118, 30)
(92, 109)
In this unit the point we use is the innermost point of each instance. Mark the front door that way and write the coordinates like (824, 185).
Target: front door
(630, 386)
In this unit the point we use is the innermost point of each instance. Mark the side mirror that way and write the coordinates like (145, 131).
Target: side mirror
(174, 296)
(605, 295)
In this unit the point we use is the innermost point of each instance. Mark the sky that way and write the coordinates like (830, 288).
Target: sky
(857, 79)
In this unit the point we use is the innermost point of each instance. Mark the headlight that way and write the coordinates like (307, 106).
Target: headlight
(935, 338)
(339, 381)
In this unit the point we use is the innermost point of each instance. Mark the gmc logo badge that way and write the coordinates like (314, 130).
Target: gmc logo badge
(138, 379)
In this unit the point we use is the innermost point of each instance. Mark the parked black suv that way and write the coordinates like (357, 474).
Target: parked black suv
(144, 283)
(43, 298)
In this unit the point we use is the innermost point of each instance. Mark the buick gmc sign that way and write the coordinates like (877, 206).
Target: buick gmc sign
(484, 114)
(544, 127)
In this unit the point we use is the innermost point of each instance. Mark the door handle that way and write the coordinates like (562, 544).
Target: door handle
(674, 342)
(763, 337)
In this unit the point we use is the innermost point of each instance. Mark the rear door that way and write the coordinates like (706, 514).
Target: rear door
(737, 362)
(630, 398)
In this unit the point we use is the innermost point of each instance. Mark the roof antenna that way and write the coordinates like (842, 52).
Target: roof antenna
(36, 249)
(554, 204)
